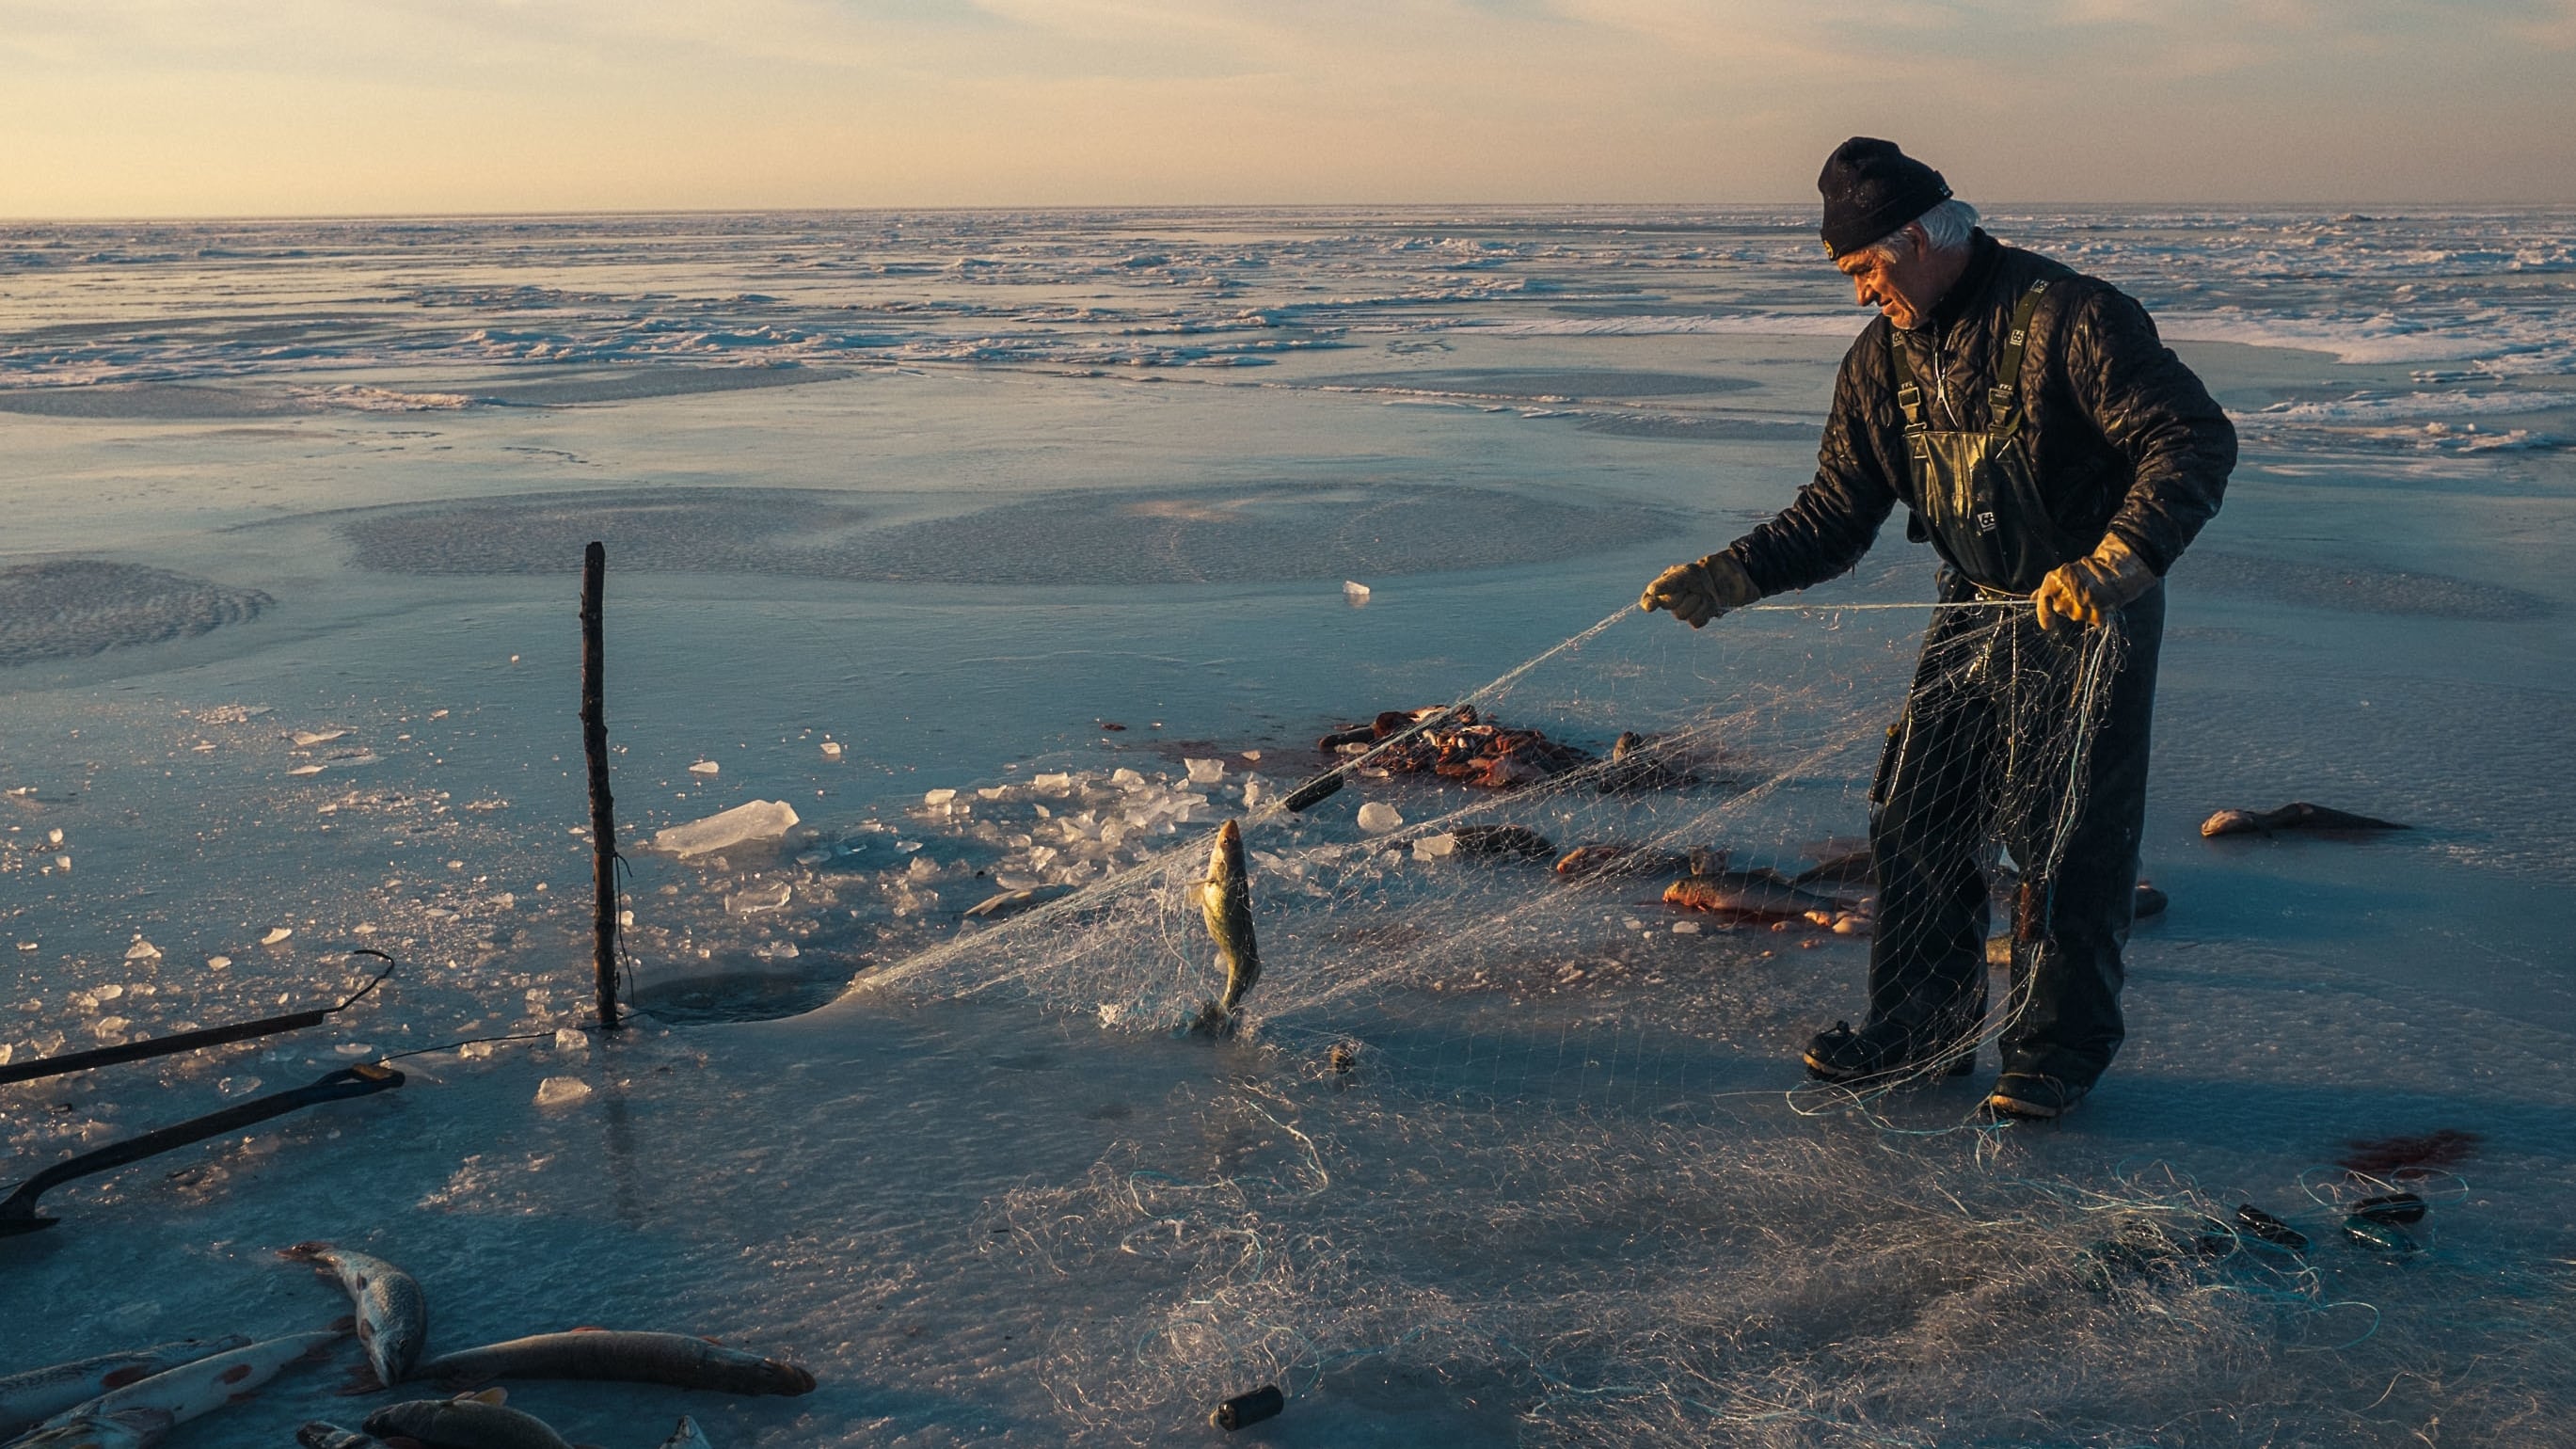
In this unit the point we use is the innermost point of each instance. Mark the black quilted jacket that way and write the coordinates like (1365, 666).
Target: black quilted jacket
(2125, 437)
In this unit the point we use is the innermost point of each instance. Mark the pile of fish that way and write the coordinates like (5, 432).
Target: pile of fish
(2297, 815)
(132, 1400)
(1456, 743)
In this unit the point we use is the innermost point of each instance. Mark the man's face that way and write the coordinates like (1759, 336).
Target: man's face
(1901, 289)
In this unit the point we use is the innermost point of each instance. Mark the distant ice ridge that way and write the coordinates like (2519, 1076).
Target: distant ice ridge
(1791, 324)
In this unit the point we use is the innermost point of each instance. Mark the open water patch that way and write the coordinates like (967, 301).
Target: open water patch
(73, 608)
(1537, 384)
(1271, 534)
(678, 530)
(2357, 588)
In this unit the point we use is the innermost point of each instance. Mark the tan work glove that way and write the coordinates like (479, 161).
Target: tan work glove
(1698, 592)
(2091, 589)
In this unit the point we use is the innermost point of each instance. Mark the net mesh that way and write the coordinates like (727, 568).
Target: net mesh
(1505, 1135)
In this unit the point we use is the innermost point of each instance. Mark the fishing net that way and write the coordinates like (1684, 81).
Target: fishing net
(1508, 1139)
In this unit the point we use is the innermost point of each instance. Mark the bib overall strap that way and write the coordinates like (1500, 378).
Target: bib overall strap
(1908, 396)
(2004, 400)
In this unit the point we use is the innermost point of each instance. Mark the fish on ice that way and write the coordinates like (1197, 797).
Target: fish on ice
(392, 1312)
(621, 1356)
(193, 1389)
(2297, 815)
(469, 1421)
(39, 1394)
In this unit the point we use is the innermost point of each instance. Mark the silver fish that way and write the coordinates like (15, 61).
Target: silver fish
(1225, 899)
(687, 1436)
(475, 1421)
(210, 1383)
(392, 1312)
(127, 1429)
(39, 1394)
(636, 1358)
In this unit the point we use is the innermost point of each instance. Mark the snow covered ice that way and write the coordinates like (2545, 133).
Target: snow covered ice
(1494, 1158)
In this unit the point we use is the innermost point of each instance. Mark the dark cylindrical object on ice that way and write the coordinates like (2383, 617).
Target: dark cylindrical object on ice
(603, 811)
(2256, 1223)
(161, 1046)
(1314, 792)
(18, 1210)
(1262, 1403)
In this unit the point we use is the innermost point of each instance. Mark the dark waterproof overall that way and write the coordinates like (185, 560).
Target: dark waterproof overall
(1979, 756)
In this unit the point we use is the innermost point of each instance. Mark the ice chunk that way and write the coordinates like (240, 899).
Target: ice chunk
(1356, 592)
(218, 963)
(561, 1091)
(276, 934)
(831, 749)
(705, 767)
(54, 837)
(771, 896)
(1685, 928)
(1251, 791)
(1378, 817)
(1121, 776)
(1052, 782)
(571, 1039)
(754, 820)
(1435, 847)
(306, 770)
(142, 950)
(937, 797)
(1205, 772)
(307, 739)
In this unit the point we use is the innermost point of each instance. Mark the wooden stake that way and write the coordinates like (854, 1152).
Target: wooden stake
(603, 811)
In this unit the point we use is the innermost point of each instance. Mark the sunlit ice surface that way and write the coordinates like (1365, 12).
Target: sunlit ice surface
(964, 535)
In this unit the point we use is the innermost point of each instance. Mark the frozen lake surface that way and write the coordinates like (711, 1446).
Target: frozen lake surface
(963, 535)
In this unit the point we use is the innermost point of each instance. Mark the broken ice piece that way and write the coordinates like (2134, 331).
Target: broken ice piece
(772, 896)
(1060, 781)
(705, 767)
(1356, 592)
(142, 950)
(561, 1091)
(937, 797)
(307, 739)
(752, 820)
(831, 749)
(1685, 928)
(306, 770)
(1436, 847)
(1205, 772)
(276, 934)
(213, 963)
(54, 837)
(571, 1039)
(1378, 817)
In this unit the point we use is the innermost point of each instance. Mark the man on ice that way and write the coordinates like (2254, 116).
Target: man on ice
(2051, 450)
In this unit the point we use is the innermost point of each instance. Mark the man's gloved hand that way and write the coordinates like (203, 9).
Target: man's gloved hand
(2091, 589)
(1699, 592)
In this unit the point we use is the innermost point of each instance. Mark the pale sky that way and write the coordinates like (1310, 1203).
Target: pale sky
(129, 108)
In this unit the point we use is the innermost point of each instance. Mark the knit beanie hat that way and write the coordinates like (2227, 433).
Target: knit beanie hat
(1871, 188)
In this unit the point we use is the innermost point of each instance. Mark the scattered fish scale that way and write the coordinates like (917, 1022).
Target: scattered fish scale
(39, 1394)
(392, 1312)
(320, 1434)
(620, 1356)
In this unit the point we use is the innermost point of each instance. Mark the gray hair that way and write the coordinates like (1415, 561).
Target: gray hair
(1946, 227)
